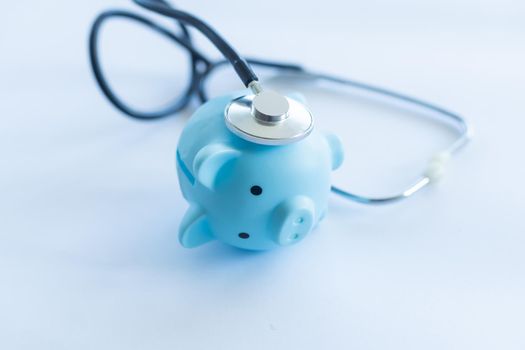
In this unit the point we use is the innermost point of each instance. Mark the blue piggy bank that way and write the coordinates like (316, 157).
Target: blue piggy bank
(249, 195)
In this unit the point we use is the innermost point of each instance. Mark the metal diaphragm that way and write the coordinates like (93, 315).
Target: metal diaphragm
(268, 118)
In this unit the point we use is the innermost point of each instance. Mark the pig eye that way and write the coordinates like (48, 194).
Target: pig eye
(256, 190)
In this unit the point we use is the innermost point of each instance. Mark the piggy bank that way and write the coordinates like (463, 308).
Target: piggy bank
(249, 195)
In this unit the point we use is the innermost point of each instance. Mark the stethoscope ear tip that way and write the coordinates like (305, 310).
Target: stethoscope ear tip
(436, 166)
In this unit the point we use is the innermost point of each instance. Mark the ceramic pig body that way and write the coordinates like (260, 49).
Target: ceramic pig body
(249, 195)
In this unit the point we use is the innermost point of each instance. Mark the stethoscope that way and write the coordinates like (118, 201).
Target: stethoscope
(266, 117)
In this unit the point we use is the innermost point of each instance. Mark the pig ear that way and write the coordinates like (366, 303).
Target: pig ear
(297, 96)
(210, 160)
(336, 150)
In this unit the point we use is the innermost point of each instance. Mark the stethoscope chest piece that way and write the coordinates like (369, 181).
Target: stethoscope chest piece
(268, 118)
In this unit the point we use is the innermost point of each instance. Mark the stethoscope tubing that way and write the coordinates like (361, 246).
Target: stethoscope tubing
(202, 68)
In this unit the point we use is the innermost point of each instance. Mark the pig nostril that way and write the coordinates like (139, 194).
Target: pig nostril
(295, 236)
(299, 221)
(244, 235)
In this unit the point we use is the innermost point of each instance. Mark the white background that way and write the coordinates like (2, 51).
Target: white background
(90, 205)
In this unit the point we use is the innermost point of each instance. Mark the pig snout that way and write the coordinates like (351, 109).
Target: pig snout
(293, 220)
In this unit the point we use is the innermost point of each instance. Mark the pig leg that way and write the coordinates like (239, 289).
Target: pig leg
(194, 229)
